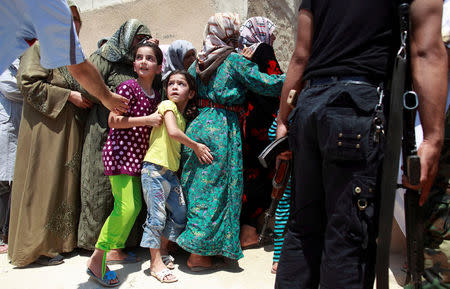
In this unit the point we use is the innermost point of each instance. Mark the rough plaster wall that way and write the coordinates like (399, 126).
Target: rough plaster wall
(284, 14)
(237, 6)
(168, 20)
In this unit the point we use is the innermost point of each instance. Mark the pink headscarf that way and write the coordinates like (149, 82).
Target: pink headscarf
(256, 30)
(220, 39)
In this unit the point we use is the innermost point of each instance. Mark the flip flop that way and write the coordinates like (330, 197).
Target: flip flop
(106, 281)
(168, 261)
(47, 261)
(163, 274)
(131, 258)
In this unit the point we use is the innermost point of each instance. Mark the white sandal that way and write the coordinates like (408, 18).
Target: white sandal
(161, 276)
(167, 260)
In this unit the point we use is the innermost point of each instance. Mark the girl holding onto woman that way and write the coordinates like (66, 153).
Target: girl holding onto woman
(122, 157)
(114, 61)
(214, 191)
(166, 216)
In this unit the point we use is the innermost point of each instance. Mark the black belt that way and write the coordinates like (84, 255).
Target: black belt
(326, 80)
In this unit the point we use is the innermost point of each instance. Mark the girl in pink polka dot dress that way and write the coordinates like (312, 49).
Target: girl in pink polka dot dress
(123, 153)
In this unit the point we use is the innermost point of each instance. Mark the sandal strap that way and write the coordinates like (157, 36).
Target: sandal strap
(167, 258)
(109, 276)
(163, 274)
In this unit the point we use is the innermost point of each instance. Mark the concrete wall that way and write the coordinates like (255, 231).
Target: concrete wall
(170, 20)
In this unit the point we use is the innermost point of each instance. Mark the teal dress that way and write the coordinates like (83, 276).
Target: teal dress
(214, 192)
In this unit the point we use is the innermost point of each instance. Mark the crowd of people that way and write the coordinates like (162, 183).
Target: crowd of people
(85, 140)
(82, 168)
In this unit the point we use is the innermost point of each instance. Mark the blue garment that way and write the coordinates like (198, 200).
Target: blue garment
(166, 207)
(10, 114)
(49, 21)
(282, 212)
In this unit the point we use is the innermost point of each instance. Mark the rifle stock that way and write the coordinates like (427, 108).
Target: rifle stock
(279, 183)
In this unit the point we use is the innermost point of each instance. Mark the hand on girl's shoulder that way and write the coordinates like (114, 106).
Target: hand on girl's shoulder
(155, 119)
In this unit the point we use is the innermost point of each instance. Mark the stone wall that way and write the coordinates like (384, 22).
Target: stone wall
(170, 20)
(284, 14)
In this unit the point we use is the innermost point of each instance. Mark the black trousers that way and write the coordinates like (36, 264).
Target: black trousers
(331, 235)
(5, 204)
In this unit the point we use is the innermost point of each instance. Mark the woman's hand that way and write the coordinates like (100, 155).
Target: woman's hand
(77, 99)
(155, 119)
(154, 40)
(203, 154)
(247, 53)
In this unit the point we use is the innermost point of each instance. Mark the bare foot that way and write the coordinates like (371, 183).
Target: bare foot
(157, 267)
(199, 261)
(116, 255)
(166, 258)
(274, 268)
(248, 236)
(95, 265)
(4, 249)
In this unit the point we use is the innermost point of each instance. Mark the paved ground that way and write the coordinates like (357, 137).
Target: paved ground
(253, 272)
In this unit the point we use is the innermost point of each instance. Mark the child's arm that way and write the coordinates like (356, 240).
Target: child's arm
(119, 121)
(201, 151)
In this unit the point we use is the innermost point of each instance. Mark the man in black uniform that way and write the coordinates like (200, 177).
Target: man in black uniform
(341, 57)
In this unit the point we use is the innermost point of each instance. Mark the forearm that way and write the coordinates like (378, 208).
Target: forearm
(182, 138)
(296, 68)
(90, 79)
(293, 81)
(430, 83)
(123, 122)
(429, 66)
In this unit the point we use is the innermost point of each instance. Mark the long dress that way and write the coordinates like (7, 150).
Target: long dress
(214, 192)
(260, 114)
(46, 187)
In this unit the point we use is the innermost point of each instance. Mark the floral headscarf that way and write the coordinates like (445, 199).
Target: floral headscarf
(220, 39)
(175, 55)
(256, 30)
(118, 47)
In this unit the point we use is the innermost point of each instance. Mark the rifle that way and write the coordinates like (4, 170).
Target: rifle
(279, 183)
(403, 104)
(282, 171)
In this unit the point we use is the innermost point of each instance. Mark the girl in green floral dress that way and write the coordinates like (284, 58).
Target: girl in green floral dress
(214, 192)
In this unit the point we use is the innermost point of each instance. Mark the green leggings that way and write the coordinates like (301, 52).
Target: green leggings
(127, 204)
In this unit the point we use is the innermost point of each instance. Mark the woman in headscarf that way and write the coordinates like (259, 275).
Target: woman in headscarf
(179, 56)
(46, 188)
(114, 61)
(214, 192)
(257, 34)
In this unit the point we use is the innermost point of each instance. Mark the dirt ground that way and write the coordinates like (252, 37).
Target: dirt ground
(252, 272)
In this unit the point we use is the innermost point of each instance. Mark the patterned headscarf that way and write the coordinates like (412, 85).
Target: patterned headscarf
(256, 30)
(175, 55)
(446, 23)
(220, 39)
(118, 47)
